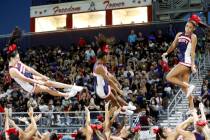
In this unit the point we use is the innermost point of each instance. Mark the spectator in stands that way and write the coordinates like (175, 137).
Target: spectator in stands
(7, 79)
(155, 107)
(171, 33)
(92, 106)
(50, 114)
(204, 89)
(208, 78)
(113, 62)
(132, 38)
(151, 40)
(146, 120)
(196, 101)
(90, 55)
(129, 74)
(31, 103)
(206, 102)
(141, 39)
(84, 98)
(159, 36)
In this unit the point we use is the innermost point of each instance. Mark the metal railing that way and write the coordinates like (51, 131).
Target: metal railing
(66, 119)
(178, 97)
(176, 4)
(172, 4)
(72, 121)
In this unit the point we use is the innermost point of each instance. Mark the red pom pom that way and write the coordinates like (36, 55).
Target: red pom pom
(60, 136)
(136, 129)
(93, 126)
(12, 131)
(201, 123)
(100, 117)
(73, 135)
(195, 18)
(12, 48)
(156, 130)
(99, 127)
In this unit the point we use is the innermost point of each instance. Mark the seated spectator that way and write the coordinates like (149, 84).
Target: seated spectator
(90, 55)
(206, 102)
(141, 38)
(208, 78)
(146, 120)
(160, 37)
(92, 106)
(205, 89)
(154, 108)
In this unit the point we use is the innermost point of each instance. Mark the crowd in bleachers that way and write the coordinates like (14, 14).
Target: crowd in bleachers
(136, 63)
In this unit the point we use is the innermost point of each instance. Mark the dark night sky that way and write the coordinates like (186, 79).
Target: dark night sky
(14, 13)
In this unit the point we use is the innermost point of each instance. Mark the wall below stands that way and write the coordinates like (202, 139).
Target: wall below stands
(66, 38)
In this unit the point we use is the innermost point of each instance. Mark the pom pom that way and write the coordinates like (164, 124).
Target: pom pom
(201, 123)
(136, 129)
(12, 131)
(156, 130)
(12, 48)
(195, 18)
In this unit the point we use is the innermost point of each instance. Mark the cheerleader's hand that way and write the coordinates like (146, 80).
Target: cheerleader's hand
(193, 69)
(164, 55)
(41, 82)
(45, 78)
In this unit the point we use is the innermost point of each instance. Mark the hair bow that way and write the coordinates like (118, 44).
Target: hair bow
(99, 127)
(156, 130)
(96, 126)
(195, 18)
(60, 136)
(100, 117)
(74, 135)
(12, 48)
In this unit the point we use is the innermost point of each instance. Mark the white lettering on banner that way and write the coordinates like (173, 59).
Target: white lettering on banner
(58, 10)
(85, 6)
(109, 5)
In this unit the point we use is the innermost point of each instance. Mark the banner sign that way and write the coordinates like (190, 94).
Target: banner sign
(85, 6)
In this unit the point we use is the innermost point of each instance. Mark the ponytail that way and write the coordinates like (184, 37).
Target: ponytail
(11, 47)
